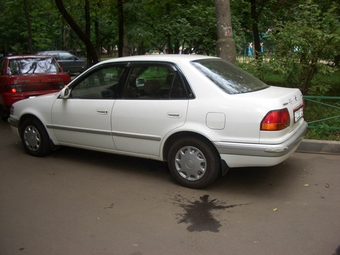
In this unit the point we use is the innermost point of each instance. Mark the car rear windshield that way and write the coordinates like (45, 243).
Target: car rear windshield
(228, 77)
(32, 66)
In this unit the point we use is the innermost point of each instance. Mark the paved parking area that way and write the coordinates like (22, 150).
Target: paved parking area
(82, 202)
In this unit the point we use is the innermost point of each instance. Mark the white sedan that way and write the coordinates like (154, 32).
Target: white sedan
(200, 114)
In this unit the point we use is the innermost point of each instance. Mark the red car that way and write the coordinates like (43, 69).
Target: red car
(28, 76)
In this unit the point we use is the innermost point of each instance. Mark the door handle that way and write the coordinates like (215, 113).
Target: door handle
(102, 111)
(174, 114)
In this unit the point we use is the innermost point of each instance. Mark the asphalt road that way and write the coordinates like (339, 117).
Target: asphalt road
(81, 202)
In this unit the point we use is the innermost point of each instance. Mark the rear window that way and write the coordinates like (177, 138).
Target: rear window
(230, 78)
(32, 66)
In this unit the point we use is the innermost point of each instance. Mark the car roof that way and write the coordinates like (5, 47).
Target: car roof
(53, 51)
(161, 57)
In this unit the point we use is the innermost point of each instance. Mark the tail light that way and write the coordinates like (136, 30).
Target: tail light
(276, 120)
(13, 88)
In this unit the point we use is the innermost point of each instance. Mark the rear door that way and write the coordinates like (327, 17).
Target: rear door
(154, 102)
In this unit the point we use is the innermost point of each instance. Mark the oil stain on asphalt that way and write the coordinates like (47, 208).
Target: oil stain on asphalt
(198, 214)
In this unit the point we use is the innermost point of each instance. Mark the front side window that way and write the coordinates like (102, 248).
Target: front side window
(153, 81)
(100, 84)
(229, 77)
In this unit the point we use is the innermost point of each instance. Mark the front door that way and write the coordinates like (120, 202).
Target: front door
(84, 119)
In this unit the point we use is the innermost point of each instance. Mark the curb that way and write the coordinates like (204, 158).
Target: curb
(319, 146)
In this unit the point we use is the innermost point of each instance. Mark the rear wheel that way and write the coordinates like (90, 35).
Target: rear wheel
(35, 138)
(194, 163)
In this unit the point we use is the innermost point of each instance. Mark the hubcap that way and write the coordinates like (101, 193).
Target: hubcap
(32, 138)
(190, 163)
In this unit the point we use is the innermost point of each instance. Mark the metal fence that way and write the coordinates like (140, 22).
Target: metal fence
(322, 112)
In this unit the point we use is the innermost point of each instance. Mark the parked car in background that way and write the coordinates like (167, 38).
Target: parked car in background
(69, 62)
(28, 76)
(200, 114)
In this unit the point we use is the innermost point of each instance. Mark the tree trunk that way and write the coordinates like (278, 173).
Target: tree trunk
(225, 45)
(29, 27)
(92, 57)
(98, 44)
(120, 28)
(254, 17)
(170, 50)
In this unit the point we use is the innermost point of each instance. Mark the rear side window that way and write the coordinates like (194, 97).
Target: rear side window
(230, 78)
(154, 81)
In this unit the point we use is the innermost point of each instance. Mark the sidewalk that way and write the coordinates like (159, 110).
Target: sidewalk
(319, 146)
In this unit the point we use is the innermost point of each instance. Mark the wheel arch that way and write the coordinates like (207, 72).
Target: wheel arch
(180, 135)
(26, 116)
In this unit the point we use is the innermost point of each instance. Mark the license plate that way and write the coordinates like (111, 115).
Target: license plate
(298, 114)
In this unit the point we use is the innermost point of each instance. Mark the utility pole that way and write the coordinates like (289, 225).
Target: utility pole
(225, 45)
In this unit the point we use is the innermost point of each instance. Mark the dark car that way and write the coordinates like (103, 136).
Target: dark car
(69, 62)
(28, 76)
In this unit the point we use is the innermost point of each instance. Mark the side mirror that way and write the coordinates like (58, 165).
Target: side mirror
(65, 93)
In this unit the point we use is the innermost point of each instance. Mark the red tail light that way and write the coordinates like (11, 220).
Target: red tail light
(276, 120)
(12, 88)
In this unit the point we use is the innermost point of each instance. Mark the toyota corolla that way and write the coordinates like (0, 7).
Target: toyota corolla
(200, 114)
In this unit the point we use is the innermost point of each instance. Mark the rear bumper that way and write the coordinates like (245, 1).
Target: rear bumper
(254, 154)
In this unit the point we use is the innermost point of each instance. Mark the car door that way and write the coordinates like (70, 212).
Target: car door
(70, 63)
(84, 119)
(153, 103)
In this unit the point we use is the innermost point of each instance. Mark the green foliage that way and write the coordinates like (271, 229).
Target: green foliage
(304, 44)
(323, 117)
(323, 133)
(171, 24)
(11, 26)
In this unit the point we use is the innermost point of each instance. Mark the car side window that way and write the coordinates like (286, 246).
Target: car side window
(55, 55)
(100, 84)
(153, 81)
(66, 56)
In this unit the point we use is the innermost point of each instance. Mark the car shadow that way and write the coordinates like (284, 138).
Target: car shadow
(114, 162)
(261, 181)
(249, 181)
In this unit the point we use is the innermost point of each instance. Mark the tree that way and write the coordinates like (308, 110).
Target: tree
(29, 28)
(303, 44)
(169, 24)
(225, 45)
(92, 57)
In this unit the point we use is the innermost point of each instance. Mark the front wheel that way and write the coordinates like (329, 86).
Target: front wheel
(35, 138)
(193, 162)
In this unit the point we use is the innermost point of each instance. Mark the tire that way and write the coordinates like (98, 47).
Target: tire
(35, 138)
(193, 162)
